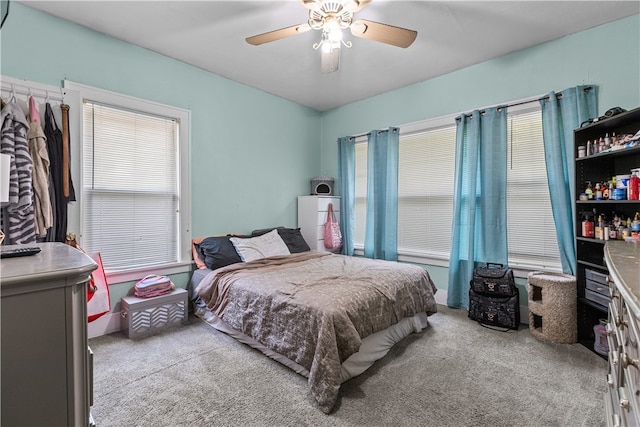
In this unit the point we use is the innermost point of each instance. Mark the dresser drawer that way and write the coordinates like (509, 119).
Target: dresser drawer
(632, 414)
(322, 217)
(595, 276)
(323, 203)
(598, 287)
(612, 408)
(603, 300)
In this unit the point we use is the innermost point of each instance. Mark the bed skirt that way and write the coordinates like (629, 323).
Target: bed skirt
(373, 347)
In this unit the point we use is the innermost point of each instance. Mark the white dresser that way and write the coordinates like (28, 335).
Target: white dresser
(46, 363)
(312, 214)
(622, 401)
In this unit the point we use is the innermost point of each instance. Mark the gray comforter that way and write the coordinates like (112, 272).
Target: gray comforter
(314, 307)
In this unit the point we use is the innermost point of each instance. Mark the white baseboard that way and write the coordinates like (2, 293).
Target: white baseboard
(107, 324)
(110, 323)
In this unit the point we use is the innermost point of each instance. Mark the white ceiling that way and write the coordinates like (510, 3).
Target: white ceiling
(451, 35)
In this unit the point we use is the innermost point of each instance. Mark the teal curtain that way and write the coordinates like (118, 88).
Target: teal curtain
(347, 166)
(562, 113)
(479, 232)
(381, 231)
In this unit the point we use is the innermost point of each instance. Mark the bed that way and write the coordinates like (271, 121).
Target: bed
(326, 316)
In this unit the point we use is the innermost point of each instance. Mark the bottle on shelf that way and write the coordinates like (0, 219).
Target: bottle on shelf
(626, 230)
(633, 186)
(587, 225)
(635, 225)
(589, 191)
(599, 232)
(614, 231)
(598, 192)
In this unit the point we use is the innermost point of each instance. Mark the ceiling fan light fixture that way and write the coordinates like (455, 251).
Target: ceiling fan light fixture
(328, 46)
(334, 35)
(330, 57)
(333, 16)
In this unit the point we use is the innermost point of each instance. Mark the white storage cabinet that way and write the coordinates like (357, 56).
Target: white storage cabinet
(312, 214)
(141, 317)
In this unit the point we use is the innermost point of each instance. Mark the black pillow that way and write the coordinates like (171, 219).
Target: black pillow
(217, 252)
(294, 240)
(260, 232)
(291, 237)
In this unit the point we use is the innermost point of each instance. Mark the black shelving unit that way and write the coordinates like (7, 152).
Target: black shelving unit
(599, 168)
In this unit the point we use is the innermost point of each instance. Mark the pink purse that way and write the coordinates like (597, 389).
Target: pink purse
(332, 234)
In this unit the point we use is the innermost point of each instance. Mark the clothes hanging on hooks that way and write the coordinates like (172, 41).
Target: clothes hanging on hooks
(66, 178)
(43, 215)
(17, 215)
(48, 147)
(34, 114)
(59, 201)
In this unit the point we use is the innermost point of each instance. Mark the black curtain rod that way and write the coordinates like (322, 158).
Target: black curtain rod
(544, 98)
(367, 134)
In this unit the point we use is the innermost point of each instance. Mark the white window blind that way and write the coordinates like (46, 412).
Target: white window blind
(425, 192)
(130, 198)
(531, 231)
(361, 192)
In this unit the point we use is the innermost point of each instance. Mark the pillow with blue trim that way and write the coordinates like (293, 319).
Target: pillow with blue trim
(217, 252)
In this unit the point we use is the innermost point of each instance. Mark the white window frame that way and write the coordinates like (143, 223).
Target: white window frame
(184, 262)
(521, 269)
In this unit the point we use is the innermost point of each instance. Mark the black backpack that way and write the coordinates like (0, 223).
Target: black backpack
(494, 297)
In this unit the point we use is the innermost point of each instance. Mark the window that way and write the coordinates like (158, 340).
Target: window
(425, 193)
(135, 191)
(531, 234)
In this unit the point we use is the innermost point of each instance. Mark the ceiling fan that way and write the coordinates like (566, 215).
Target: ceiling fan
(333, 16)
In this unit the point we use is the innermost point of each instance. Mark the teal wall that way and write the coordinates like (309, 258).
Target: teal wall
(252, 153)
(607, 56)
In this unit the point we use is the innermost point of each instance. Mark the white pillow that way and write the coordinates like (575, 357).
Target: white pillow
(269, 244)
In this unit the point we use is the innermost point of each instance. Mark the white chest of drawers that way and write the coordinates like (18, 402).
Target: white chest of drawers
(622, 401)
(312, 214)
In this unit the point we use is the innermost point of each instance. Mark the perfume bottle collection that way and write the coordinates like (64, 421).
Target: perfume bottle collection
(620, 187)
(595, 225)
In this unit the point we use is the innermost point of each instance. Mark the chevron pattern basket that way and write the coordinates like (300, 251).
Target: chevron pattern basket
(142, 317)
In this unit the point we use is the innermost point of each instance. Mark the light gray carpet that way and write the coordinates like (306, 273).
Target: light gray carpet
(455, 373)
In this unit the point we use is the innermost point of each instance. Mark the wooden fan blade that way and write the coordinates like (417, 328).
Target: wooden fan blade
(383, 33)
(352, 5)
(310, 4)
(278, 34)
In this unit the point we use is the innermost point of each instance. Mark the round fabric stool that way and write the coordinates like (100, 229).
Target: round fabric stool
(552, 307)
